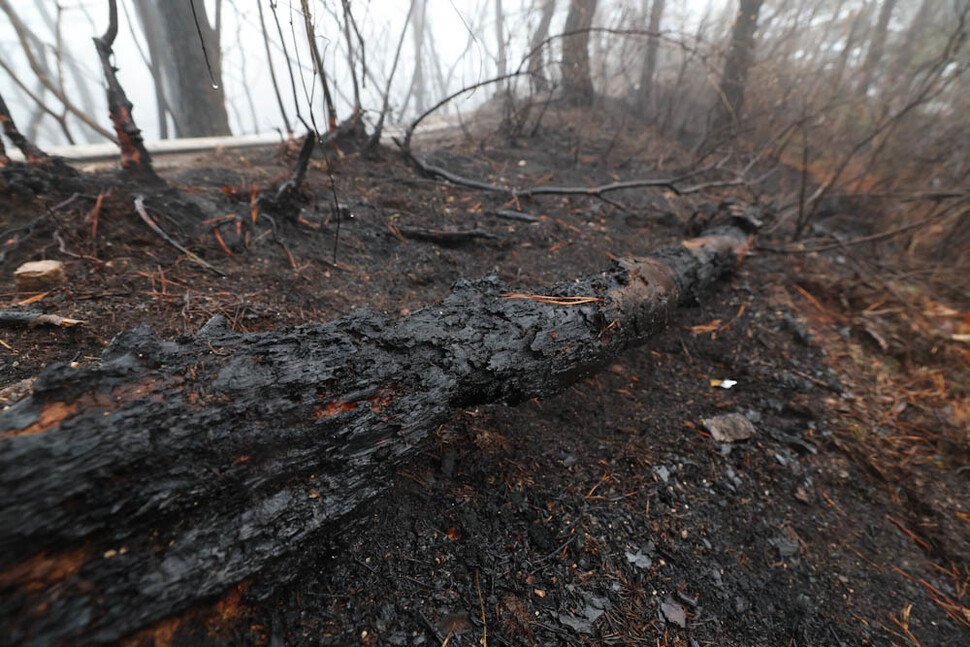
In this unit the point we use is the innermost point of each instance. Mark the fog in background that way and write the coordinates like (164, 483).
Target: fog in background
(864, 94)
(460, 48)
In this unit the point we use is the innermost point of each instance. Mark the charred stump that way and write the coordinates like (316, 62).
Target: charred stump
(285, 198)
(31, 153)
(176, 471)
(40, 173)
(134, 156)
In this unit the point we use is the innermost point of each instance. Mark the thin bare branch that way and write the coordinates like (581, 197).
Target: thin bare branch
(22, 35)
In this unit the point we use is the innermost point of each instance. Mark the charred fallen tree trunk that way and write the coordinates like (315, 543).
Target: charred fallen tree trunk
(175, 470)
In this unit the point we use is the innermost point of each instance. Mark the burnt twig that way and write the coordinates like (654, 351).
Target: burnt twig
(32, 154)
(11, 239)
(885, 235)
(205, 52)
(517, 215)
(140, 208)
(672, 184)
(32, 319)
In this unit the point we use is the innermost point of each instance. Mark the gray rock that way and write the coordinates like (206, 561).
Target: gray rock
(729, 428)
(638, 559)
(674, 612)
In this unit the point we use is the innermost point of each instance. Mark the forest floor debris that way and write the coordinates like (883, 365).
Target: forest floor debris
(608, 514)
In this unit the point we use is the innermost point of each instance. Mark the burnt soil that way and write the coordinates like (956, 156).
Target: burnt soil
(607, 514)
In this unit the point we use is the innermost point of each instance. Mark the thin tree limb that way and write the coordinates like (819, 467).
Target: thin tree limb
(272, 70)
(21, 31)
(143, 214)
(318, 66)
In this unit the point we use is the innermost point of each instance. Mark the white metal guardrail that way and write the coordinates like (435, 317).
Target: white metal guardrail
(107, 151)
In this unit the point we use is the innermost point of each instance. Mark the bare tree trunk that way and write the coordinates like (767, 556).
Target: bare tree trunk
(157, 52)
(740, 56)
(822, 52)
(198, 101)
(370, 147)
(247, 87)
(877, 45)
(650, 60)
(418, 86)
(577, 83)
(538, 77)
(675, 96)
(501, 62)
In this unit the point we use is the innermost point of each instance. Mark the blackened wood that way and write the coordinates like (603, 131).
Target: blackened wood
(737, 64)
(446, 238)
(31, 319)
(134, 156)
(31, 153)
(287, 193)
(4, 159)
(175, 470)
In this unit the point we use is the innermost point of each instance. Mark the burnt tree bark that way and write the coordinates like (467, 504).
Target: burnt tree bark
(577, 83)
(176, 470)
(134, 156)
(31, 153)
(740, 56)
(536, 73)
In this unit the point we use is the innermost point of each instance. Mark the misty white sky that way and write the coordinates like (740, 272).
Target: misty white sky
(463, 31)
